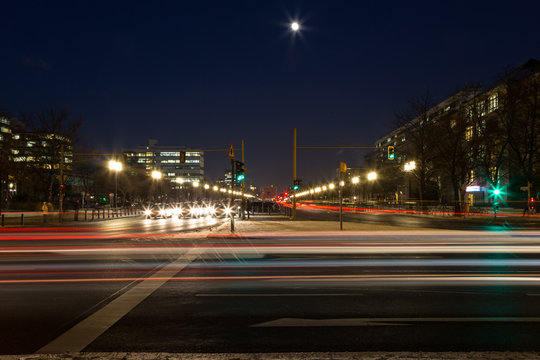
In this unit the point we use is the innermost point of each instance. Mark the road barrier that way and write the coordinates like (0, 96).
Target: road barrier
(17, 218)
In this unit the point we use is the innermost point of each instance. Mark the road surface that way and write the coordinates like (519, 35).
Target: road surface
(135, 285)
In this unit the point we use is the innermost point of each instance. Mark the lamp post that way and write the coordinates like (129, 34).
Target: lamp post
(116, 166)
(355, 180)
(156, 175)
(408, 167)
(371, 176)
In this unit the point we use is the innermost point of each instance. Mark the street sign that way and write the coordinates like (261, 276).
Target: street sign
(524, 188)
(342, 167)
(231, 152)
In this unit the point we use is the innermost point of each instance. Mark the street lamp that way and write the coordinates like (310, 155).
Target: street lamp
(156, 175)
(115, 166)
(195, 184)
(355, 180)
(408, 167)
(295, 26)
(372, 176)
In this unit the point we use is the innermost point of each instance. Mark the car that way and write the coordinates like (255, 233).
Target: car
(161, 211)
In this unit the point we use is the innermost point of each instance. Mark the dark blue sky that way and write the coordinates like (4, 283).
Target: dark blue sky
(205, 73)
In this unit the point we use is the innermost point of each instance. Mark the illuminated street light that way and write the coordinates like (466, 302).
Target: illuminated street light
(331, 186)
(355, 180)
(179, 180)
(215, 188)
(195, 184)
(342, 183)
(372, 176)
(295, 26)
(116, 166)
(156, 175)
(410, 166)
(206, 186)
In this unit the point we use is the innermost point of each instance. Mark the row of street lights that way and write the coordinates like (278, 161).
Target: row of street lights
(116, 166)
(371, 176)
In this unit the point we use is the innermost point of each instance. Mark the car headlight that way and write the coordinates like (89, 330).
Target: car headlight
(161, 212)
(146, 212)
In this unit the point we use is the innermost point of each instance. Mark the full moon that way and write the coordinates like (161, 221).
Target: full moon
(295, 26)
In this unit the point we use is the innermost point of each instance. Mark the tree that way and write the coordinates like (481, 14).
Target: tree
(419, 140)
(452, 149)
(519, 112)
(53, 131)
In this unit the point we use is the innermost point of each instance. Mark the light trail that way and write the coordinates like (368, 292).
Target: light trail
(401, 277)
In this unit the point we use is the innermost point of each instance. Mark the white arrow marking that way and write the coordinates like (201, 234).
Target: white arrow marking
(297, 322)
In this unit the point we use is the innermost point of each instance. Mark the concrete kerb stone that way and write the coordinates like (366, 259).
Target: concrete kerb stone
(494, 355)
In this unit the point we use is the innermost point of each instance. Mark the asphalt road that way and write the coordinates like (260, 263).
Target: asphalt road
(134, 285)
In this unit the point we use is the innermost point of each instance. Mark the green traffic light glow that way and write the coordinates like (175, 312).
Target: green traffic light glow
(497, 192)
(240, 177)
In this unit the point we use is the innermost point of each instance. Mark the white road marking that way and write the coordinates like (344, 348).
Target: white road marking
(277, 295)
(297, 322)
(89, 329)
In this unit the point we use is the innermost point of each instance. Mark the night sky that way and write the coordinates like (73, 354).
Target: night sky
(205, 73)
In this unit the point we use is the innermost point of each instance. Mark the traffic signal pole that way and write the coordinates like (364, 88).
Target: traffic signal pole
(232, 195)
(244, 202)
(294, 176)
(61, 192)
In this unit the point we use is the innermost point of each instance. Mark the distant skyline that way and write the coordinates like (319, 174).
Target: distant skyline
(208, 73)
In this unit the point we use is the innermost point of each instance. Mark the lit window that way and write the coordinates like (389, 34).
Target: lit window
(193, 161)
(469, 133)
(493, 103)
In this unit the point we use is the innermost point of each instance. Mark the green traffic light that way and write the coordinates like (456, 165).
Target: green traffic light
(497, 192)
(240, 177)
(295, 187)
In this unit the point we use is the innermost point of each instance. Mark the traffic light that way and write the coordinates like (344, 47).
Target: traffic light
(239, 171)
(62, 189)
(390, 153)
(296, 184)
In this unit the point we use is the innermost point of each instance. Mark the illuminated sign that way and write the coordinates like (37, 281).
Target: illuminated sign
(473, 189)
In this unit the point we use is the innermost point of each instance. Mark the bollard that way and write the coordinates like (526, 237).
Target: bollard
(93, 214)
(2, 219)
(22, 219)
(85, 218)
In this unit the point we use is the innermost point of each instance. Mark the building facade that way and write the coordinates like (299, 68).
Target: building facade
(469, 146)
(177, 164)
